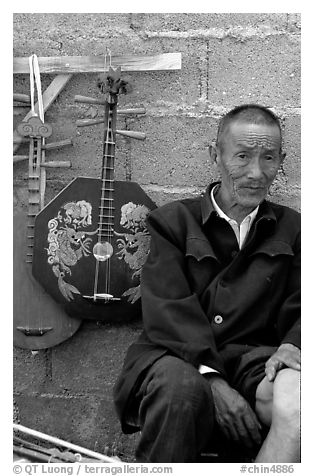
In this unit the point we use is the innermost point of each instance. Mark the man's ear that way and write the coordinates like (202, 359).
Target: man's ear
(213, 152)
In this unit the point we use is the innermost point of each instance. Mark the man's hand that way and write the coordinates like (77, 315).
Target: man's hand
(233, 414)
(287, 355)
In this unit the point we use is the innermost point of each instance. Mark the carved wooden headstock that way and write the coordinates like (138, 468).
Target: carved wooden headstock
(112, 83)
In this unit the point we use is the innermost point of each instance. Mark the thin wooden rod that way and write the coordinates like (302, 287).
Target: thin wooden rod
(58, 441)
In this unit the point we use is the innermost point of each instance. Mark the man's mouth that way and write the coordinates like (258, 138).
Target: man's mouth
(253, 187)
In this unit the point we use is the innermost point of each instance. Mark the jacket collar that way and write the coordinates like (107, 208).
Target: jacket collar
(265, 211)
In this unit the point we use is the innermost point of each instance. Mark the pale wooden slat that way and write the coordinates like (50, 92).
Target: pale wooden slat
(21, 98)
(49, 95)
(96, 64)
(63, 164)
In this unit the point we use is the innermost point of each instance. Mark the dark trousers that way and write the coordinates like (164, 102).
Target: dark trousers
(175, 413)
(173, 406)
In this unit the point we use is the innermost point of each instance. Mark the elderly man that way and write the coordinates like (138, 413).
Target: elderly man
(220, 351)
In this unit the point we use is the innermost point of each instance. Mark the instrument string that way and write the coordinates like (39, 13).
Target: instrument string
(101, 206)
(110, 174)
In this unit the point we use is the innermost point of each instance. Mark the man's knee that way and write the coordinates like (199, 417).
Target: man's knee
(286, 398)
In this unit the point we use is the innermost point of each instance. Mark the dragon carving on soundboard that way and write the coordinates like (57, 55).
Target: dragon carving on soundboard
(134, 245)
(68, 242)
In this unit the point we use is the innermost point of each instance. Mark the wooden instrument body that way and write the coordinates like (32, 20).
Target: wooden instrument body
(38, 321)
(64, 263)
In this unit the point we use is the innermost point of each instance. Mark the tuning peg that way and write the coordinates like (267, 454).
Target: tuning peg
(63, 164)
(132, 134)
(57, 145)
(89, 122)
(21, 98)
(88, 100)
(138, 110)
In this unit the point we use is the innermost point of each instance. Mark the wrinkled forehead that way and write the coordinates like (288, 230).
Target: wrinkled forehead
(250, 135)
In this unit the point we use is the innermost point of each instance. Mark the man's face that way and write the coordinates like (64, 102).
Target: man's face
(249, 160)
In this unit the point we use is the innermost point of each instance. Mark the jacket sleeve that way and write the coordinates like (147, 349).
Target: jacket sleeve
(172, 314)
(289, 316)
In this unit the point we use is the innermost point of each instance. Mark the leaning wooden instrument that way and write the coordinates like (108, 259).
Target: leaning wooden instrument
(38, 321)
(61, 452)
(91, 241)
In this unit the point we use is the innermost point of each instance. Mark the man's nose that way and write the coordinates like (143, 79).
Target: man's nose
(254, 168)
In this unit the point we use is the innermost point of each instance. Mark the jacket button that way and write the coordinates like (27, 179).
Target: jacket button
(234, 253)
(218, 319)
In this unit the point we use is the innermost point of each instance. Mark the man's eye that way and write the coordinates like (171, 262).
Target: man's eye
(269, 157)
(242, 156)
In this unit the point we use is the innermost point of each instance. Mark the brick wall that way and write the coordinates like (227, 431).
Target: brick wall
(227, 59)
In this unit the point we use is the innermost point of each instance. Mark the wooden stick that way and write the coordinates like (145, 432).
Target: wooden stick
(57, 145)
(57, 441)
(21, 98)
(136, 110)
(64, 164)
(88, 100)
(96, 64)
(34, 455)
(55, 87)
(132, 134)
(89, 122)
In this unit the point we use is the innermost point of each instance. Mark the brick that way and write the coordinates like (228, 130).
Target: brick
(163, 195)
(50, 33)
(175, 151)
(195, 21)
(30, 371)
(292, 146)
(266, 71)
(91, 360)
(88, 421)
(288, 196)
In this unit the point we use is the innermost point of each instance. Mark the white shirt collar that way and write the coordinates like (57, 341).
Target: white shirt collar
(241, 231)
(222, 214)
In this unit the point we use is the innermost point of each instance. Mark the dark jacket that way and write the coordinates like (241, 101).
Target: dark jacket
(196, 272)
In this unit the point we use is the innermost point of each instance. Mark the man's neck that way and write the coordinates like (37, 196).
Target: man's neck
(231, 209)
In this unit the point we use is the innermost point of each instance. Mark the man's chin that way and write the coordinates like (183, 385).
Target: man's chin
(250, 198)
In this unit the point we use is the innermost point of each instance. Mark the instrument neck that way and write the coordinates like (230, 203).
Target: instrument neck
(106, 208)
(34, 171)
